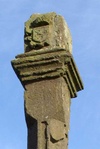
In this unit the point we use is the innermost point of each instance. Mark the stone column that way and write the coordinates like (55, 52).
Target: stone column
(50, 78)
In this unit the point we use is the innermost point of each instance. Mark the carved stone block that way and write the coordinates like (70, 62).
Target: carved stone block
(45, 31)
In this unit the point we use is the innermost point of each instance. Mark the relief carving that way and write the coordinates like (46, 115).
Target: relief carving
(36, 38)
(37, 33)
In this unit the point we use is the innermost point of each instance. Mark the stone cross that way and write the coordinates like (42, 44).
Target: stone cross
(50, 78)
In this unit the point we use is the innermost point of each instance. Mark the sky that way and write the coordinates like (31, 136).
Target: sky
(83, 19)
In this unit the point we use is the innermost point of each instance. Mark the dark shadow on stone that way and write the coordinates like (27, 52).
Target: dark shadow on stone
(32, 132)
(37, 23)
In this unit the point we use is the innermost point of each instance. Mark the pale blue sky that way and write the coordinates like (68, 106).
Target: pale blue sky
(83, 18)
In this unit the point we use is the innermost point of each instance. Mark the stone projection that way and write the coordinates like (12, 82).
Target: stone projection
(50, 78)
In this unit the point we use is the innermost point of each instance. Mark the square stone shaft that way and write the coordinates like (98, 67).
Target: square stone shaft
(50, 78)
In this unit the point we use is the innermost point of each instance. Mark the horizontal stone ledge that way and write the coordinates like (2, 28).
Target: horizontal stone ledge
(41, 51)
(41, 58)
(49, 65)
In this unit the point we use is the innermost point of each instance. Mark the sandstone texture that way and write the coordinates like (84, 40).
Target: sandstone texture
(50, 78)
(47, 30)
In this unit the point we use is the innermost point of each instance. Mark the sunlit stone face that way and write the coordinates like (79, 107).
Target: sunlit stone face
(47, 31)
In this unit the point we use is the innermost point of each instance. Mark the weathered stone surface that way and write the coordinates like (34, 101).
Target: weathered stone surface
(46, 64)
(50, 78)
(48, 102)
(47, 30)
